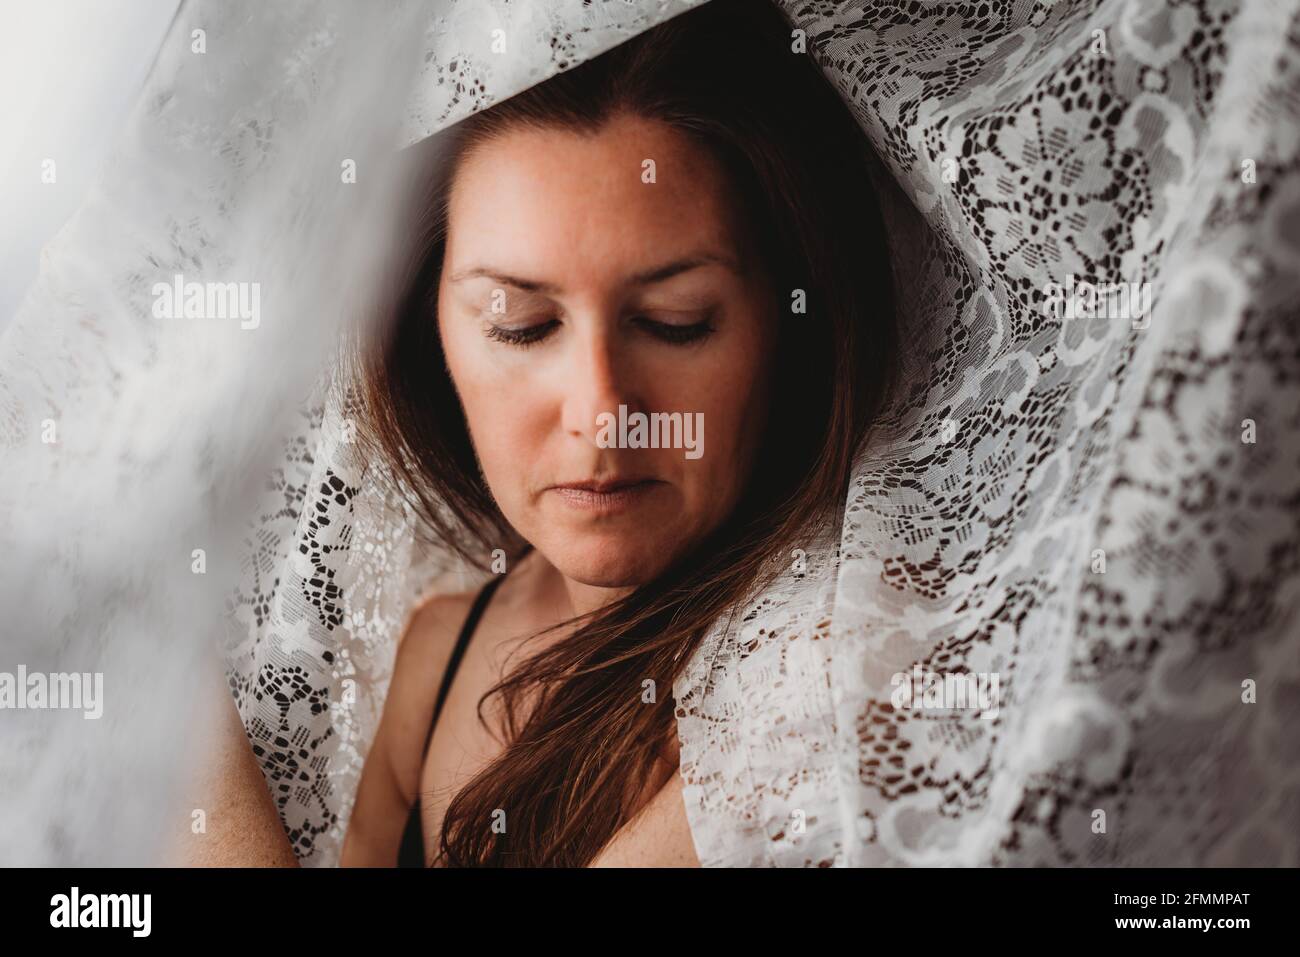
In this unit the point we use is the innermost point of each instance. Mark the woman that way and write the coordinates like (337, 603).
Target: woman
(639, 232)
(663, 229)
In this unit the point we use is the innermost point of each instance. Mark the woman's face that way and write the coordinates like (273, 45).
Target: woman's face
(582, 289)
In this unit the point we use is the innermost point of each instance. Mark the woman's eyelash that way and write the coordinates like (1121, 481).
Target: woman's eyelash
(664, 331)
(526, 336)
(676, 334)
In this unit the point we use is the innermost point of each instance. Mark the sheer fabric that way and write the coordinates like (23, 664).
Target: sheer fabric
(1100, 511)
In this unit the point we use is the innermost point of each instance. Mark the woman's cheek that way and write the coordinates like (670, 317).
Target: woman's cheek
(509, 438)
(496, 420)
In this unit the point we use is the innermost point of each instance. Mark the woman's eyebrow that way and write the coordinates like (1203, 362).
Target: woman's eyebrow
(644, 278)
(678, 266)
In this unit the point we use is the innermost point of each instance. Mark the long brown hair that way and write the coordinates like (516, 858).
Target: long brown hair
(571, 772)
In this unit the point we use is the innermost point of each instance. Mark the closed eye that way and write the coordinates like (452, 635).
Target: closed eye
(669, 332)
(676, 333)
(526, 336)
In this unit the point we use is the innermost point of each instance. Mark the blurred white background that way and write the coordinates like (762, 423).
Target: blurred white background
(70, 72)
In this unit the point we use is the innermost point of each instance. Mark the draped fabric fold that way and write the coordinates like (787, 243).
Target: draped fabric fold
(1088, 502)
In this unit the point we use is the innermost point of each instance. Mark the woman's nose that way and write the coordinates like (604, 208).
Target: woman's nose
(598, 379)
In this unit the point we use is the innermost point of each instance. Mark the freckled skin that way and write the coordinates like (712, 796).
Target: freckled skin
(571, 210)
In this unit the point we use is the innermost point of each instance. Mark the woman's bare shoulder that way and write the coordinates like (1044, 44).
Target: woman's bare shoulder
(423, 653)
(431, 627)
(436, 621)
(430, 635)
(392, 767)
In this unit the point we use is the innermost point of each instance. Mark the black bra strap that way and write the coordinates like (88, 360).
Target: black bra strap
(462, 642)
(410, 851)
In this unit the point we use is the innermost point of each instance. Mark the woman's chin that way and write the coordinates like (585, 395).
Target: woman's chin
(609, 561)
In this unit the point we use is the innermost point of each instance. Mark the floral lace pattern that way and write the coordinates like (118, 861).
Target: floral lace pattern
(1103, 513)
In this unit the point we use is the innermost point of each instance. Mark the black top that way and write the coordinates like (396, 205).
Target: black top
(411, 851)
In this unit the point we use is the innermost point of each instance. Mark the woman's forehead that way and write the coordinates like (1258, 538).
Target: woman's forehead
(630, 197)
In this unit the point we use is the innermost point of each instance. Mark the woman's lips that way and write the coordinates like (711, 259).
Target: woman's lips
(606, 497)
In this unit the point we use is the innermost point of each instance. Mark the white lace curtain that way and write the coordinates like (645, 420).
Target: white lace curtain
(1103, 513)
